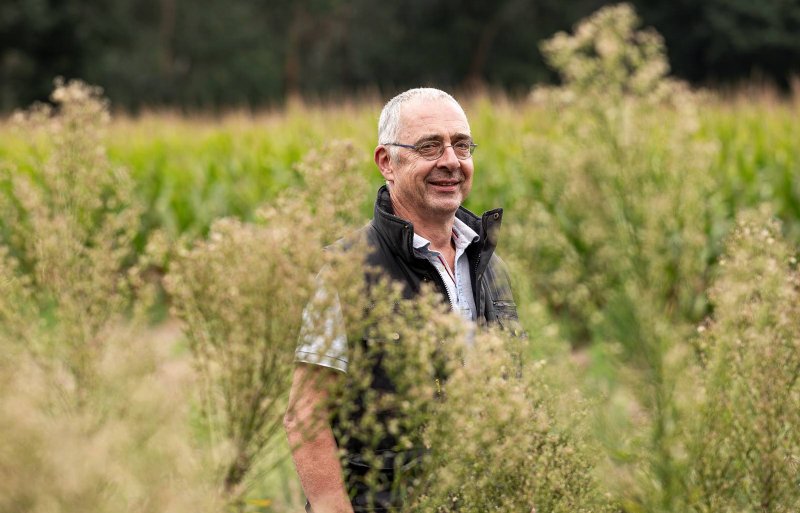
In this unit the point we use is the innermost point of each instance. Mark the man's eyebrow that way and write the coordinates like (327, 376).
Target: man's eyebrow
(458, 136)
(426, 138)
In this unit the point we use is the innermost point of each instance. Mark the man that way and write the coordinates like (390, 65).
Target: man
(419, 233)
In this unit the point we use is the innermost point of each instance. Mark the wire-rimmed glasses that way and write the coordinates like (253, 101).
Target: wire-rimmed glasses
(432, 150)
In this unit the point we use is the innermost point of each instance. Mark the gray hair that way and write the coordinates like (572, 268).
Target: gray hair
(389, 122)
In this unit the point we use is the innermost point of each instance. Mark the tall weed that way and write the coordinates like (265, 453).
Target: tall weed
(616, 238)
(128, 448)
(86, 425)
(746, 445)
(474, 428)
(621, 194)
(498, 444)
(68, 229)
(240, 295)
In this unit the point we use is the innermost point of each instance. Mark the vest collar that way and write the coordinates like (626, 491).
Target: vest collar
(398, 233)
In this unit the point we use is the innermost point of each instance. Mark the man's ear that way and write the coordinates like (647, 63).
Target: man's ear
(384, 162)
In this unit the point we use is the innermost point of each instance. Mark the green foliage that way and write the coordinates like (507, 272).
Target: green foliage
(85, 423)
(240, 294)
(209, 55)
(622, 198)
(727, 40)
(745, 450)
(757, 161)
(615, 236)
(191, 172)
(67, 231)
(497, 443)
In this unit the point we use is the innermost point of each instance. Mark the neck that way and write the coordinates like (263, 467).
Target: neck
(438, 230)
(440, 234)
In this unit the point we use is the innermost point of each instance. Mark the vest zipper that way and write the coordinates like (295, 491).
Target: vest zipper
(442, 285)
(476, 287)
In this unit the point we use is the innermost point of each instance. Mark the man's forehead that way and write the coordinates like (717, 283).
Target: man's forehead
(433, 117)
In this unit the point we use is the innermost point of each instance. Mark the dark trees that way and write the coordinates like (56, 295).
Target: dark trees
(210, 54)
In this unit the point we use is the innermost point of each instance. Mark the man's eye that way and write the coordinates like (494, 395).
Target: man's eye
(429, 148)
(462, 145)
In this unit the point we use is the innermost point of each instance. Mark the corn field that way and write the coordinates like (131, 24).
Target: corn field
(154, 271)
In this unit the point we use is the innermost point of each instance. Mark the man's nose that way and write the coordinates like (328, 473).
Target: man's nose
(449, 159)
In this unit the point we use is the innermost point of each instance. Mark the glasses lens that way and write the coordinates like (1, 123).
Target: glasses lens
(462, 149)
(430, 149)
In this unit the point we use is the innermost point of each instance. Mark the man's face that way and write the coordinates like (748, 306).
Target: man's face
(430, 188)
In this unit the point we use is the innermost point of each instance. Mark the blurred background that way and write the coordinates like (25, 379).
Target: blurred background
(207, 54)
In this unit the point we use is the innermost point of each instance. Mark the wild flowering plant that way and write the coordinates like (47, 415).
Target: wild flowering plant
(86, 424)
(241, 293)
(620, 232)
(621, 194)
(467, 426)
(129, 447)
(67, 229)
(401, 352)
(746, 445)
(497, 444)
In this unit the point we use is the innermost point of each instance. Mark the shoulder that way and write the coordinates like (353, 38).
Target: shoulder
(498, 264)
(364, 246)
(353, 241)
(498, 279)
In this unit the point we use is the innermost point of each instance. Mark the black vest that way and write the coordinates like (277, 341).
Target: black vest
(391, 252)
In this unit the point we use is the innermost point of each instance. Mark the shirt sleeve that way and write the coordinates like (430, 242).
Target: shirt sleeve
(323, 339)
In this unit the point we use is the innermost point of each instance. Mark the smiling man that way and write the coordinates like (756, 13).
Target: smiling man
(419, 234)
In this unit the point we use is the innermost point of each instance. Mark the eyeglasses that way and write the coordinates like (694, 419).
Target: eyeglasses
(432, 150)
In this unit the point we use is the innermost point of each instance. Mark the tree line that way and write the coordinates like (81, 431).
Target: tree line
(207, 54)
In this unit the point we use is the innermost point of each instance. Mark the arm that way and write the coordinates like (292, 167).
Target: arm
(311, 439)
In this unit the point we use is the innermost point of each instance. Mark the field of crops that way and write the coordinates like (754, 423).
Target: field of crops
(652, 233)
(190, 171)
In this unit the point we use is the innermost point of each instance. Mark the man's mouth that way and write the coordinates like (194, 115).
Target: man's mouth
(445, 183)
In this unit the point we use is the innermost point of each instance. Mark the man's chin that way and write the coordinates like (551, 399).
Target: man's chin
(444, 206)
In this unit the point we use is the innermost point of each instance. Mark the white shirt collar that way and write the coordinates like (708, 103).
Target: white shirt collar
(463, 236)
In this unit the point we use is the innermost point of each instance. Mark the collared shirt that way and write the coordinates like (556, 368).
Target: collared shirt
(456, 281)
(323, 339)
